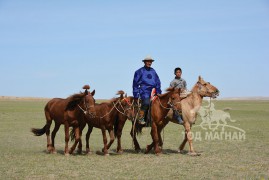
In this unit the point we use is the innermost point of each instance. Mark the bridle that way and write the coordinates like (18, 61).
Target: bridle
(171, 104)
(124, 109)
(86, 106)
(204, 92)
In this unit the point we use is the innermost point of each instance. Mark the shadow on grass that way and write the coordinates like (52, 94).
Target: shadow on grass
(129, 151)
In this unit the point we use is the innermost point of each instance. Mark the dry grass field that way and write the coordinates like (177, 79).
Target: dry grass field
(228, 155)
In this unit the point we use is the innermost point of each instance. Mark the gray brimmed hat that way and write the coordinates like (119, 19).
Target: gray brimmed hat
(148, 58)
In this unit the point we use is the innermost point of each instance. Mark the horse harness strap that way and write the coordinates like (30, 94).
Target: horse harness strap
(124, 110)
(162, 105)
(84, 111)
(199, 90)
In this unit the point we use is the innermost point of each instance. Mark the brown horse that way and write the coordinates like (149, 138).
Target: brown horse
(69, 112)
(190, 106)
(159, 109)
(108, 115)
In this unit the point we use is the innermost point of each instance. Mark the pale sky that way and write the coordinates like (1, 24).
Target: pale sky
(52, 48)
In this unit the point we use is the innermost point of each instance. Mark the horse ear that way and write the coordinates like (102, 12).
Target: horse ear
(126, 95)
(93, 92)
(199, 78)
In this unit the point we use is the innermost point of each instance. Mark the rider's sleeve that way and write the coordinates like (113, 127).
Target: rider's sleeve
(185, 84)
(172, 84)
(137, 76)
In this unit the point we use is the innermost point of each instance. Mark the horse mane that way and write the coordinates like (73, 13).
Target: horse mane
(168, 90)
(73, 100)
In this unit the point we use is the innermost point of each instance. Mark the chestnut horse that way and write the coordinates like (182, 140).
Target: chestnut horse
(108, 115)
(159, 109)
(69, 112)
(190, 106)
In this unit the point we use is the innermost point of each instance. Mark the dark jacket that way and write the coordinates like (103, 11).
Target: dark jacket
(145, 79)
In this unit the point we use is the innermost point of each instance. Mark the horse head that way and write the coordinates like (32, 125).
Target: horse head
(205, 89)
(84, 101)
(89, 103)
(125, 104)
(174, 100)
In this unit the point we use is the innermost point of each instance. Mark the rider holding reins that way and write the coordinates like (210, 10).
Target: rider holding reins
(145, 79)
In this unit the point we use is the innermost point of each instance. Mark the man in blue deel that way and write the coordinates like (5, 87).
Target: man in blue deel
(145, 79)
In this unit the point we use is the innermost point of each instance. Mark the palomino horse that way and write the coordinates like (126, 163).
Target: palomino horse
(190, 106)
(108, 115)
(69, 112)
(159, 109)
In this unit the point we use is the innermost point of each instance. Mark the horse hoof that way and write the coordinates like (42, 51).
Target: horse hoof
(138, 150)
(89, 153)
(120, 152)
(107, 154)
(53, 151)
(79, 151)
(194, 154)
(66, 154)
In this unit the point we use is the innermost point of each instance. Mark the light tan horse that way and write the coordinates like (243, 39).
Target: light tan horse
(190, 106)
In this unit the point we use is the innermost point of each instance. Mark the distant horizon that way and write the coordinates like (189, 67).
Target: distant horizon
(206, 98)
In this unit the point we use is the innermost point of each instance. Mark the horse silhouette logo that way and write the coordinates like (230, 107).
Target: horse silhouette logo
(213, 119)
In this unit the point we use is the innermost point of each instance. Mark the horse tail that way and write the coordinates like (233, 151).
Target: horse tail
(72, 134)
(39, 132)
(116, 126)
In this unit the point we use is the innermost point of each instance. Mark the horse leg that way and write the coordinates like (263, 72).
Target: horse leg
(181, 147)
(154, 135)
(53, 134)
(88, 151)
(77, 140)
(112, 138)
(136, 144)
(160, 137)
(119, 133)
(79, 149)
(66, 129)
(149, 147)
(48, 124)
(189, 137)
(105, 142)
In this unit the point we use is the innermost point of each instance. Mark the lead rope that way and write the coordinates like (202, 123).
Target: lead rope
(110, 110)
(135, 120)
